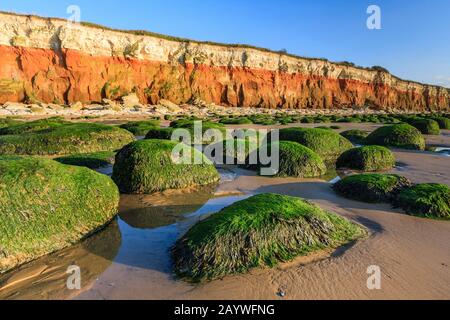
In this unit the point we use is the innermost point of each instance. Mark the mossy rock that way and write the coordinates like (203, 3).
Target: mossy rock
(140, 128)
(295, 160)
(93, 160)
(426, 126)
(431, 200)
(326, 143)
(262, 230)
(355, 136)
(160, 133)
(147, 166)
(238, 153)
(402, 136)
(46, 206)
(368, 158)
(444, 123)
(371, 187)
(66, 139)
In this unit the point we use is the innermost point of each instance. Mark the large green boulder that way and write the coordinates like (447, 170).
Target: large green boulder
(430, 200)
(367, 158)
(326, 143)
(46, 206)
(147, 166)
(402, 136)
(63, 138)
(371, 187)
(262, 230)
(295, 160)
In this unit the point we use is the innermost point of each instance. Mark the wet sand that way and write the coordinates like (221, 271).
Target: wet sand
(413, 253)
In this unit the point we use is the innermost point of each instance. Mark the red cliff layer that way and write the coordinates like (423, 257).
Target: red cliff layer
(28, 74)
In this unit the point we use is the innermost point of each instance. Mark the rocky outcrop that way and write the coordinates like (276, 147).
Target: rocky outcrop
(49, 60)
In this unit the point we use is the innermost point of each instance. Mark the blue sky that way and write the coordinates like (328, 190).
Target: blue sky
(414, 42)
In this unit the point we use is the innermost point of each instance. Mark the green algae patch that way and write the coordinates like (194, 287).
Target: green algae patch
(367, 158)
(92, 160)
(431, 200)
(64, 138)
(262, 230)
(140, 128)
(403, 136)
(326, 143)
(147, 166)
(355, 136)
(46, 206)
(371, 187)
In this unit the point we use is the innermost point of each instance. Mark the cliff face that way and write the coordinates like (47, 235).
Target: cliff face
(49, 60)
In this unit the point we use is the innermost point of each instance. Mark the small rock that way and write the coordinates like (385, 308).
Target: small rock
(281, 293)
(77, 106)
(94, 107)
(131, 100)
(172, 107)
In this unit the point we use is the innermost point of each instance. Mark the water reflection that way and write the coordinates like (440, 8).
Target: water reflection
(45, 278)
(156, 210)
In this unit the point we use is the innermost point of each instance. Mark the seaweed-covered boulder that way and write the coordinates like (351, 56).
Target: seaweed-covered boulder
(326, 143)
(371, 187)
(46, 206)
(430, 200)
(426, 126)
(402, 136)
(367, 158)
(295, 160)
(444, 123)
(355, 136)
(147, 166)
(262, 230)
(140, 128)
(63, 138)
